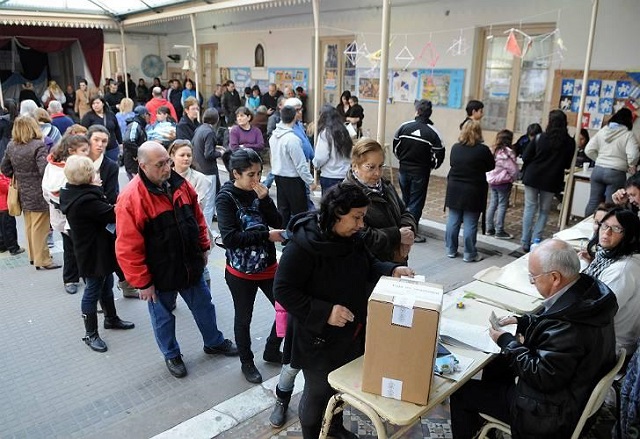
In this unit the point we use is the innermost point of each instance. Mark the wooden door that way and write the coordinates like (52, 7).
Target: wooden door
(208, 70)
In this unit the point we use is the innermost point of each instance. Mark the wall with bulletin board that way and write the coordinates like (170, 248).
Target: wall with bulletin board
(607, 92)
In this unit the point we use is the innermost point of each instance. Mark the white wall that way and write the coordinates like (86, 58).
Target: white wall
(287, 36)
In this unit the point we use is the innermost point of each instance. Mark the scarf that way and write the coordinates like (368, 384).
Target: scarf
(377, 188)
(599, 263)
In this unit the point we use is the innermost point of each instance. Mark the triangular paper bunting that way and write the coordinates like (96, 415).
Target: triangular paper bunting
(512, 45)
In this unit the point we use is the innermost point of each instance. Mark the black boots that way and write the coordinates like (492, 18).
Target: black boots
(279, 415)
(251, 372)
(91, 338)
(111, 319)
(272, 353)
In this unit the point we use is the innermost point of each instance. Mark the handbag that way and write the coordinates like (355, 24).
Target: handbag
(251, 259)
(13, 199)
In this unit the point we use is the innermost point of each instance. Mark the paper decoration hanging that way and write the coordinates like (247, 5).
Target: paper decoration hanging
(352, 52)
(405, 55)
(432, 54)
(512, 45)
(459, 46)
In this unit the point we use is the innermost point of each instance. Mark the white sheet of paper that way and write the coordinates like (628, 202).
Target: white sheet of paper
(464, 363)
(472, 335)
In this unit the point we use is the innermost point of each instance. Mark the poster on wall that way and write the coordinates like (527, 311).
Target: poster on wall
(290, 77)
(443, 87)
(241, 76)
(404, 85)
(603, 98)
(368, 85)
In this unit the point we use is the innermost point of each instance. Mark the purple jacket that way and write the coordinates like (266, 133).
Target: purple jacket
(251, 138)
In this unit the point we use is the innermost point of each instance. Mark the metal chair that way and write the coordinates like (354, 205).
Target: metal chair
(598, 395)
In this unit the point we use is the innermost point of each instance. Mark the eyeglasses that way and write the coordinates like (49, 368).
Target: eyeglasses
(532, 278)
(615, 229)
(162, 163)
(372, 168)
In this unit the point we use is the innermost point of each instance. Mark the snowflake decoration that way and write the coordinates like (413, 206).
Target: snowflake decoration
(459, 46)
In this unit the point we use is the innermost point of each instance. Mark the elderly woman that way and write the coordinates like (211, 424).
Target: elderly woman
(614, 262)
(49, 130)
(324, 280)
(26, 159)
(100, 114)
(389, 228)
(92, 220)
(615, 151)
(467, 188)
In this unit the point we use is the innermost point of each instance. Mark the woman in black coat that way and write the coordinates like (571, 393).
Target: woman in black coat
(245, 191)
(92, 222)
(324, 280)
(467, 190)
(101, 115)
(545, 159)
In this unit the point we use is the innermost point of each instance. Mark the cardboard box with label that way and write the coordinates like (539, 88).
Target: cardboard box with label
(402, 339)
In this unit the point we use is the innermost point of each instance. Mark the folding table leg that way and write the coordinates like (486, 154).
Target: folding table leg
(328, 415)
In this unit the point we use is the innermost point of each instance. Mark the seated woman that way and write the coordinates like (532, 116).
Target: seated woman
(243, 135)
(629, 197)
(614, 262)
(389, 228)
(324, 280)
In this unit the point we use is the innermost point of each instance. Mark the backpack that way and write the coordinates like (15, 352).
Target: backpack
(251, 259)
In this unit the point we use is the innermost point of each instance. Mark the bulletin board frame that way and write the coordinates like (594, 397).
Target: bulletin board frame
(560, 94)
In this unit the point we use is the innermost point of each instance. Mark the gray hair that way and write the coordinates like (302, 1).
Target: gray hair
(557, 255)
(146, 148)
(27, 106)
(54, 107)
(156, 91)
(293, 102)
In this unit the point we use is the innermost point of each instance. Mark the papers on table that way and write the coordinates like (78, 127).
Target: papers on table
(514, 276)
(469, 335)
(464, 363)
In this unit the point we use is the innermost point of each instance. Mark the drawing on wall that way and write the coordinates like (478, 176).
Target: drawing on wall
(241, 76)
(289, 77)
(225, 74)
(404, 85)
(369, 85)
(443, 87)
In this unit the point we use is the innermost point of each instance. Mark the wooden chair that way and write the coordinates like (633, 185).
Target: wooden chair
(594, 403)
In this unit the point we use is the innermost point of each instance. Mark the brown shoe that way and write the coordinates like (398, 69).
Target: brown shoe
(51, 266)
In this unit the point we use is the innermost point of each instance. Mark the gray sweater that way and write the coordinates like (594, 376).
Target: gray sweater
(287, 156)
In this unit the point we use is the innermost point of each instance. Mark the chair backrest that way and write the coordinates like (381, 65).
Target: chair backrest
(599, 394)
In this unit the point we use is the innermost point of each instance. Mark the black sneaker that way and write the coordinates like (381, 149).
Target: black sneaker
(504, 235)
(251, 373)
(17, 251)
(490, 232)
(419, 239)
(226, 348)
(176, 367)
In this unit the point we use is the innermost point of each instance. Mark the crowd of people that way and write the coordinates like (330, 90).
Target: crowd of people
(156, 234)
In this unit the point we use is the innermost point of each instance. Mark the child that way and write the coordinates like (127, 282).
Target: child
(8, 231)
(164, 129)
(500, 180)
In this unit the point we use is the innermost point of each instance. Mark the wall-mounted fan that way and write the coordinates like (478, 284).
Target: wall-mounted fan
(152, 66)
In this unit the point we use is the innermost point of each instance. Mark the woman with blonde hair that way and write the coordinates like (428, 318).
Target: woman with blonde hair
(125, 114)
(389, 228)
(26, 159)
(467, 188)
(53, 93)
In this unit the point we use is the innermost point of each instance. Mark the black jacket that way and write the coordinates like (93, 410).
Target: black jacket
(88, 213)
(418, 148)
(467, 182)
(566, 350)
(229, 224)
(205, 139)
(230, 103)
(385, 215)
(109, 121)
(545, 162)
(186, 128)
(134, 136)
(109, 172)
(315, 273)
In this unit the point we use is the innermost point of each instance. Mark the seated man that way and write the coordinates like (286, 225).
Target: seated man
(558, 354)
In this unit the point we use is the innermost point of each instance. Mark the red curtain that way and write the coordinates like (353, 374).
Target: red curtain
(54, 39)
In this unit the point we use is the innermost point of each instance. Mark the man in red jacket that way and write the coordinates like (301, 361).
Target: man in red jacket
(162, 247)
(158, 101)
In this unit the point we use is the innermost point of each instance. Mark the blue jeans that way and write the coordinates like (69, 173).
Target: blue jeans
(604, 182)
(287, 378)
(498, 208)
(198, 299)
(454, 221)
(414, 192)
(96, 289)
(327, 183)
(535, 201)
